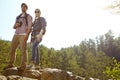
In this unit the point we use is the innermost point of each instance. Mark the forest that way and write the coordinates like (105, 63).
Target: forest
(97, 58)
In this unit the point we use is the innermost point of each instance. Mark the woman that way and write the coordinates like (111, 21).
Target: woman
(38, 30)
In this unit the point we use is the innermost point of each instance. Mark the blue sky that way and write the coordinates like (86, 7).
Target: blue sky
(9, 11)
(68, 21)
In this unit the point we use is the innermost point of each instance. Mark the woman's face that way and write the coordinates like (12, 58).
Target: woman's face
(37, 13)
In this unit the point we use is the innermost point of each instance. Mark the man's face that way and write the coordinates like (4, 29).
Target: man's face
(23, 8)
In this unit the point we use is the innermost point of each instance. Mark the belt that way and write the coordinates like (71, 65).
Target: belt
(20, 33)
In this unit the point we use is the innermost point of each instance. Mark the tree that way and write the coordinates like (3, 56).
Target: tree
(114, 70)
(88, 59)
(108, 44)
(4, 53)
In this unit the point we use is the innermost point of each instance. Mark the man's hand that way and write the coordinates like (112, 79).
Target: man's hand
(27, 34)
(26, 37)
(16, 25)
(30, 43)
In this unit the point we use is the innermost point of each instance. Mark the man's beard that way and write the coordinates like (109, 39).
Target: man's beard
(24, 11)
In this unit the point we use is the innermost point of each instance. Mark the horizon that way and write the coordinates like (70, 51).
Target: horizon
(74, 44)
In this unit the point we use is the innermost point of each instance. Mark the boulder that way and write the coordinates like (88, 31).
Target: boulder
(54, 74)
(35, 74)
(79, 78)
(15, 77)
(42, 74)
(11, 71)
(2, 77)
(32, 74)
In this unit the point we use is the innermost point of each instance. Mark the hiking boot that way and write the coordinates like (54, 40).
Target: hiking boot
(30, 66)
(37, 67)
(21, 69)
(7, 67)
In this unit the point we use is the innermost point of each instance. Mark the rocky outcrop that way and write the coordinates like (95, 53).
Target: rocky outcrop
(42, 74)
(3, 77)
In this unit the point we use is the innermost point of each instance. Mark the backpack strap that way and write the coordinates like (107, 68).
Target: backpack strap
(19, 16)
(26, 15)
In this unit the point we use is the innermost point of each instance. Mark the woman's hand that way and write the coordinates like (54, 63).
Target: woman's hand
(39, 37)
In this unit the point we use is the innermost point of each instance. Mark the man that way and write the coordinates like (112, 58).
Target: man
(22, 28)
(38, 30)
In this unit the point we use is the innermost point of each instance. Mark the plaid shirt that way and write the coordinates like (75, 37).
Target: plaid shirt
(22, 30)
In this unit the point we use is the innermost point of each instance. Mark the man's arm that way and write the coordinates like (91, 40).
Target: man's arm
(29, 18)
(16, 25)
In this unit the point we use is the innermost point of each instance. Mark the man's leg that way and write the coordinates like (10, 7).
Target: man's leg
(14, 44)
(23, 45)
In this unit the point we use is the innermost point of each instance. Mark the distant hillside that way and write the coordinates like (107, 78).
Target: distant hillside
(87, 59)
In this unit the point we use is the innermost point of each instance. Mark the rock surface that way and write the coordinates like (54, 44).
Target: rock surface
(42, 74)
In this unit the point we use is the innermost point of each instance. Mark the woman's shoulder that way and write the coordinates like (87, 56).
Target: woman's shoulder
(42, 18)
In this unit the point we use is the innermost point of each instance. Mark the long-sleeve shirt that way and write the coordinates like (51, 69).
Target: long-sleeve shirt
(38, 25)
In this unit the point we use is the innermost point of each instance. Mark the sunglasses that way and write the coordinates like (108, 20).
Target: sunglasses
(36, 11)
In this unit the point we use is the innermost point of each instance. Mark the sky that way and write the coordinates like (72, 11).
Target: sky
(68, 21)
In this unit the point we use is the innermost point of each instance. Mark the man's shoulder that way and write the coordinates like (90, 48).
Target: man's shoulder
(19, 15)
(28, 15)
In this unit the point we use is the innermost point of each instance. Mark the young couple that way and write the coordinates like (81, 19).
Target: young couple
(23, 27)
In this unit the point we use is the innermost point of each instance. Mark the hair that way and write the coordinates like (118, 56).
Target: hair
(24, 5)
(38, 10)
